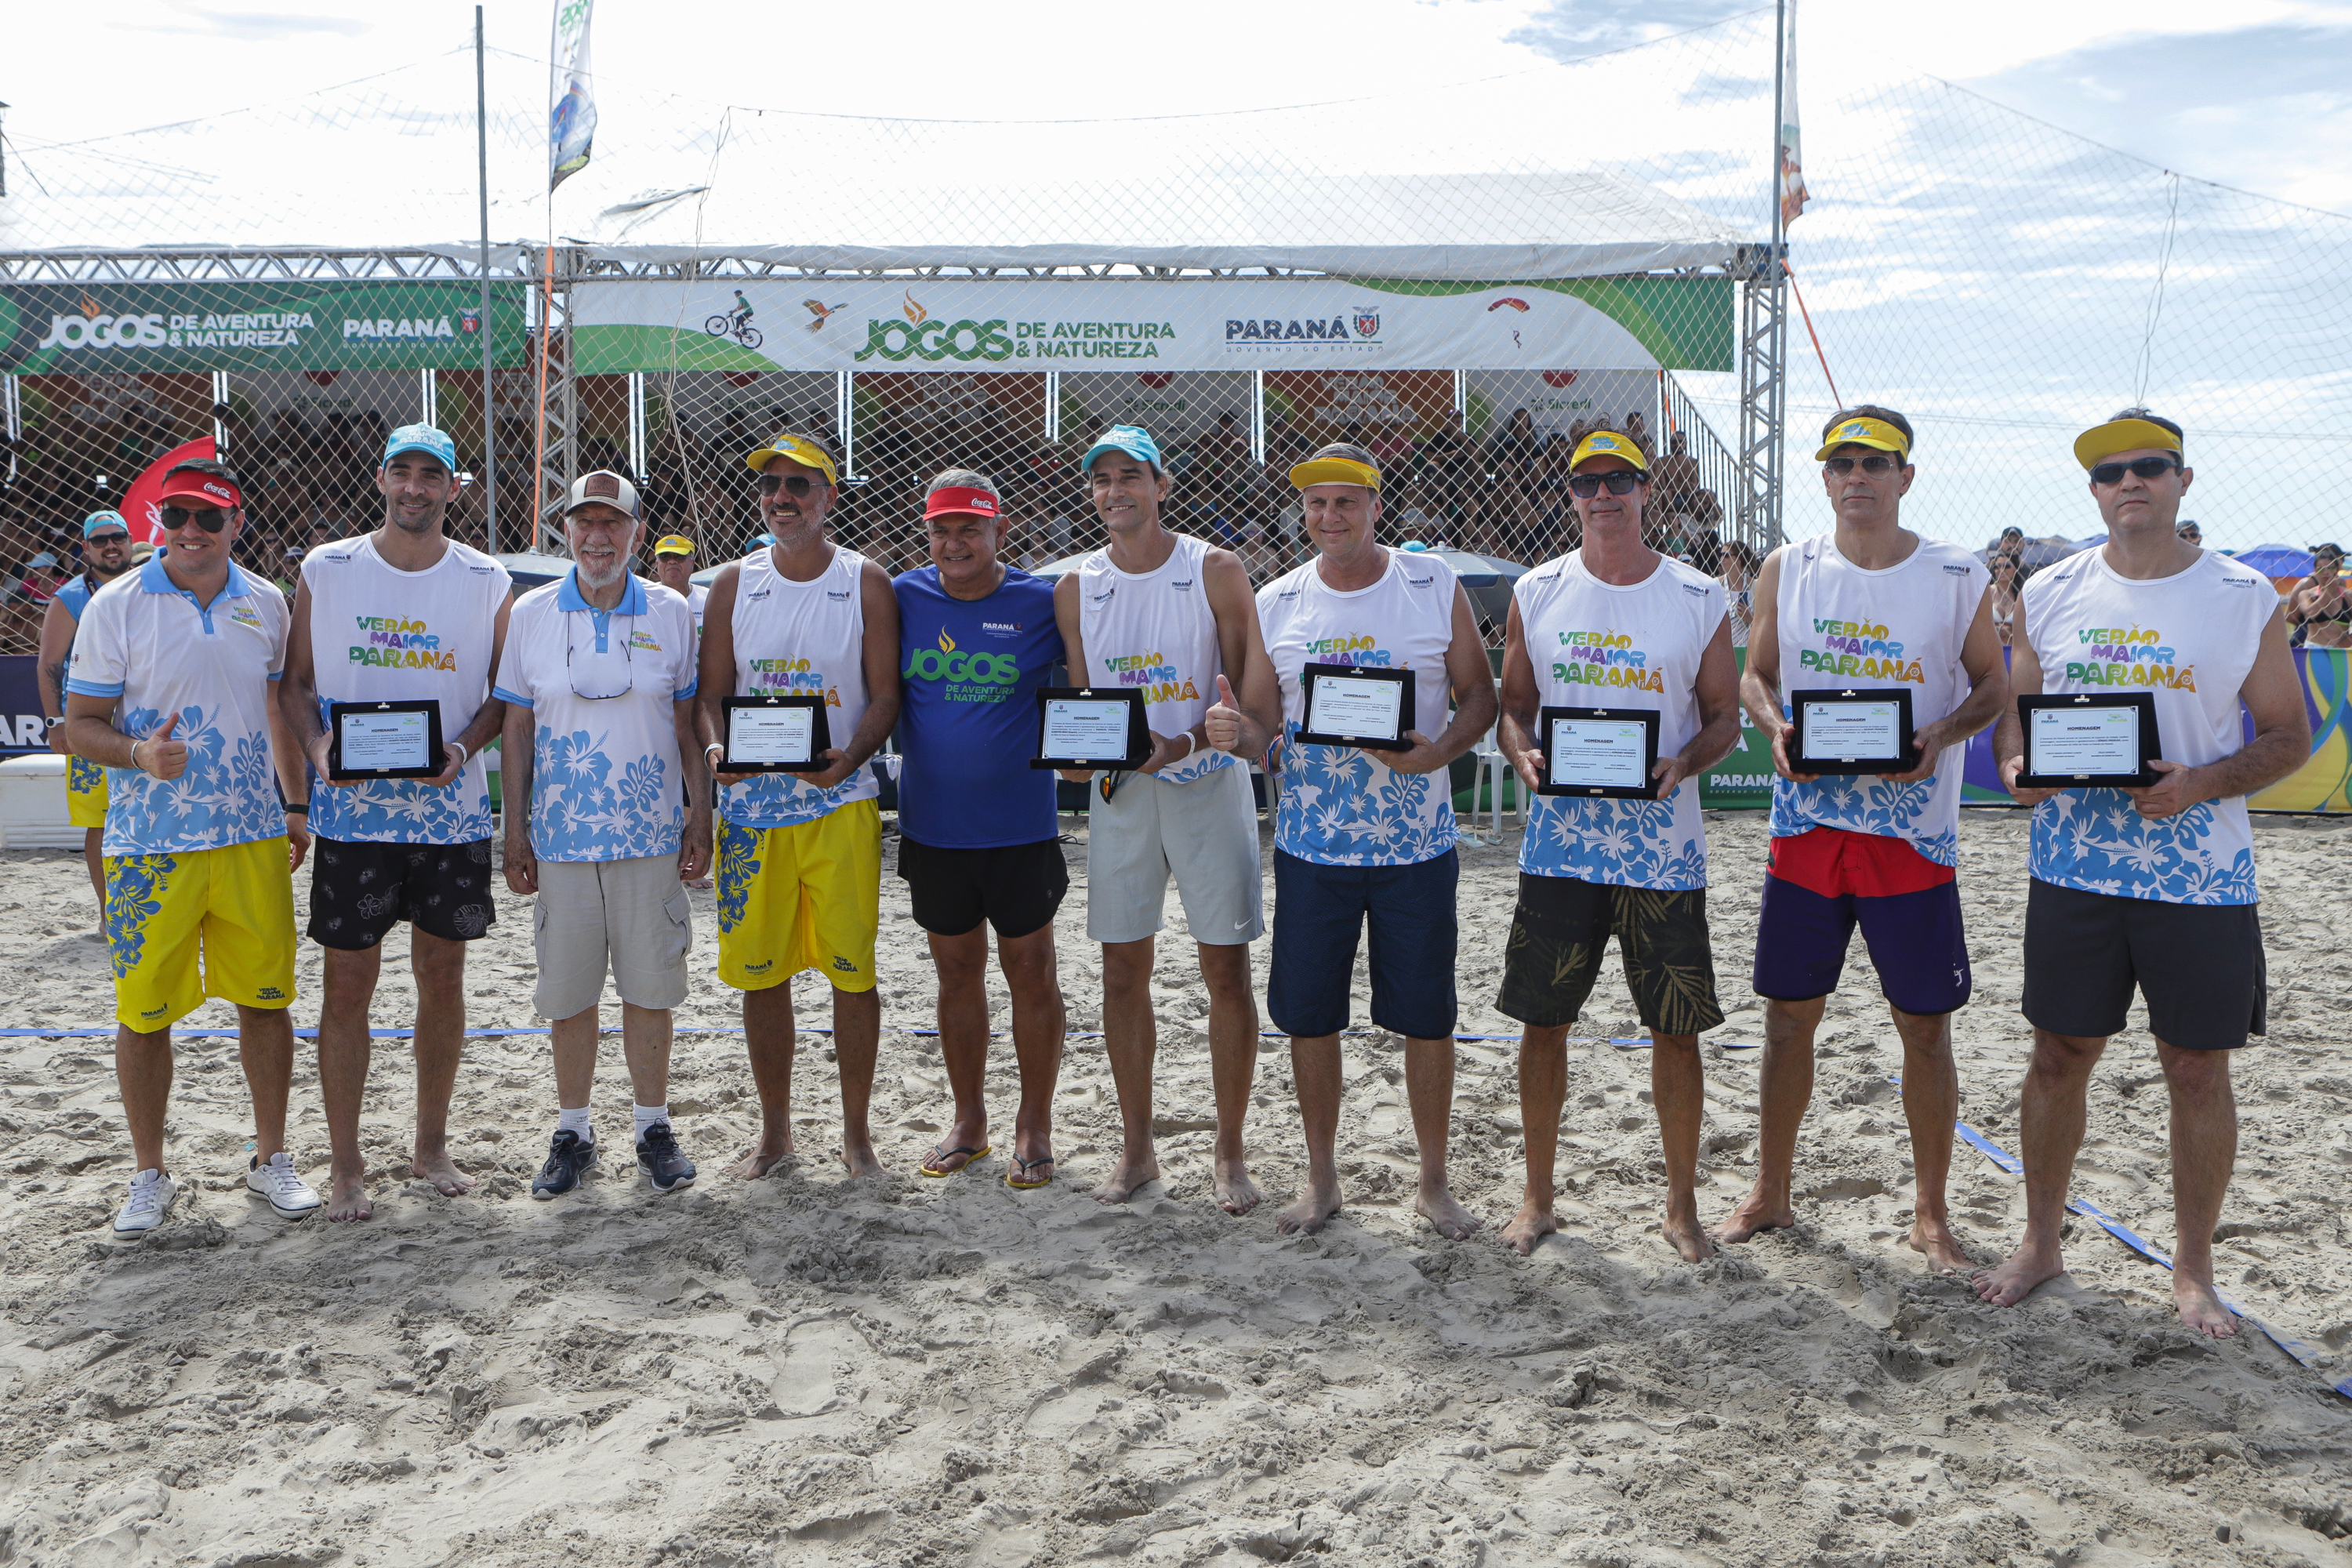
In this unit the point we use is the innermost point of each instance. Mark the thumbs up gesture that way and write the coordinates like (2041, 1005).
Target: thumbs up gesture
(1223, 718)
(160, 756)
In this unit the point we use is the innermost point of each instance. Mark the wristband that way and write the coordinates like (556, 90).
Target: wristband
(134, 756)
(297, 808)
(1191, 745)
(464, 756)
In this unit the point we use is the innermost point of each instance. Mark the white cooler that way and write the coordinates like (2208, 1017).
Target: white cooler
(32, 804)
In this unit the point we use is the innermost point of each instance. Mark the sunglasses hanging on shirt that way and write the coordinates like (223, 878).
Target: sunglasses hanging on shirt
(593, 668)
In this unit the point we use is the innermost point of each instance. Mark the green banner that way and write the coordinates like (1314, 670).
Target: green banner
(275, 324)
(1742, 781)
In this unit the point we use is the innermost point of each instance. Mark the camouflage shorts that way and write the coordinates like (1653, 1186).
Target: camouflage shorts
(1561, 930)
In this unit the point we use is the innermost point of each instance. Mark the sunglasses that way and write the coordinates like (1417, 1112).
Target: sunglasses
(2146, 467)
(107, 539)
(1876, 463)
(793, 485)
(1587, 486)
(211, 519)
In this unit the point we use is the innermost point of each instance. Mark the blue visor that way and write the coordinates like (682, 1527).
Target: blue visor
(421, 439)
(1132, 440)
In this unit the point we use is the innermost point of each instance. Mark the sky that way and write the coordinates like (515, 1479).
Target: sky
(2002, 276)
(2250, 94)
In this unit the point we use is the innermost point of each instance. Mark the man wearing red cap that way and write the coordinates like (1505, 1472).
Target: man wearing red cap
(171, 689)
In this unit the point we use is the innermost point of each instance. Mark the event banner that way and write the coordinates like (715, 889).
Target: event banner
(1142, 324)
(1742, 781)
(267, 324)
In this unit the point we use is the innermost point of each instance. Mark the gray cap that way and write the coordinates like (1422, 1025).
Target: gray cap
(605, 487)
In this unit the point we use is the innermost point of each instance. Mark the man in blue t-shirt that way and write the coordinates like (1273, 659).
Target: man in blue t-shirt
(977, 839)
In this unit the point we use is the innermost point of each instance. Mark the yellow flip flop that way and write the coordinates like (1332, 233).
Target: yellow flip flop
(937, 1153)
(1025, 1167)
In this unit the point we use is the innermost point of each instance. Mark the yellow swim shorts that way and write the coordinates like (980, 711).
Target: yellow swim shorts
(208, 922)
(805, 897)
(85, 792)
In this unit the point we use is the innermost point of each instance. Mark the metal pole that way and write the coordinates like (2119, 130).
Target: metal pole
(1257, 417)
(637, 427)
(428, 397)
(1461, 402)
(1053, 405)
(844, 418)
(220, 426)
(490, 353)
(11, 411)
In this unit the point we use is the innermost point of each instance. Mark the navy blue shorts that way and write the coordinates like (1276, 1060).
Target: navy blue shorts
(1320, 912)
(1823, 883)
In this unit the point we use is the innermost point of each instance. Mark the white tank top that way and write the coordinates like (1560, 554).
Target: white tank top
(1155, 630)
(1902, 625)
(1594, 645)
(2190, 640)
(1341, 805)
(800, 639)
(380, 635)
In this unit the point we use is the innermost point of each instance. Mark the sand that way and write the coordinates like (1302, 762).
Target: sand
(804, 1371)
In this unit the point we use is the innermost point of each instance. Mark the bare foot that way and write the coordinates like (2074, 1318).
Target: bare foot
(1128, 1177)
(1236, 1194)
(1316, 1207)
(1437, 1206)
(442, 1171)
(346, 1197)
(1934, 1238)
(2015, 1279)
(2200, 1309)
(856, 1157)
(1530, 1226)
(1756, 1211)
(1679, 1225)
(760, 1158)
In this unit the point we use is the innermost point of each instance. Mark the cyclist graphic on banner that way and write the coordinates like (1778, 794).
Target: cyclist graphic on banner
(737, 325)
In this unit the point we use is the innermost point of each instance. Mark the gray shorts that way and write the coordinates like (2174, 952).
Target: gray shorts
(1205, 832)
(628, 915)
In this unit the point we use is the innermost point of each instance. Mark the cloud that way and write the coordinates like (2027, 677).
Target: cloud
(260, 27)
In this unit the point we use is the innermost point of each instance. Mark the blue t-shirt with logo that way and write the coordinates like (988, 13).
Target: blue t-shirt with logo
(969, 672)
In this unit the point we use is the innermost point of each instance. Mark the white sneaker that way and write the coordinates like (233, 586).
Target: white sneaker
(289, 1196)
(152, 1193)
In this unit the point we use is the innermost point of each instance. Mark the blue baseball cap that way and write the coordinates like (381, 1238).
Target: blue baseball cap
(1132, 440)
(422, 438)
(104, 519)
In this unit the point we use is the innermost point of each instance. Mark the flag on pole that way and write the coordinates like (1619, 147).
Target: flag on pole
(1793, 195)
(571, 94)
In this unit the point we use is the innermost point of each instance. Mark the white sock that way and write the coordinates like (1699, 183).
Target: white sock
(575, 1122)
(650, 1116)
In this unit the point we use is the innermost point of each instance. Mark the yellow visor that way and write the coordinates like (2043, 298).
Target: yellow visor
(1865, 432)
(674, 544)
(1609, 444)
(1335, 472)
(2099, 443)
(807, 454)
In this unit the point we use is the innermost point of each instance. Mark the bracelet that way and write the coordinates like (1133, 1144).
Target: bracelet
(464, 756)
(297, 808)
(134, 756)
(1191, 745)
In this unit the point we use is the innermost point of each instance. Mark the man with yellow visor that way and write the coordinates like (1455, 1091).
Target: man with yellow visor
(674, 567)
(1365, 836)
(2149, 889)
(1868, 607)
(800, 854)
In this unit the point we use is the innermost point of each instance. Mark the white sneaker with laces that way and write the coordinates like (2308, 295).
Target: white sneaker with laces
(289, 1196)
(152, 1193)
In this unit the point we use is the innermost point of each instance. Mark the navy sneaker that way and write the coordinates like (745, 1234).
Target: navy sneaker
(659, 1159)
(568, 1160)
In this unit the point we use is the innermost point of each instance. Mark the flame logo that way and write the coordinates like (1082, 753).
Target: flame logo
(947, 643)
(915, 311)
(91, 308)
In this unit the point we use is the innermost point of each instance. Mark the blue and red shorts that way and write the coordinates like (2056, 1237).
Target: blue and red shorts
(1821, 883)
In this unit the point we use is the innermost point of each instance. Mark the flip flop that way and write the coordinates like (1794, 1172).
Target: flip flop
(1026, 1167)
(938, 1153)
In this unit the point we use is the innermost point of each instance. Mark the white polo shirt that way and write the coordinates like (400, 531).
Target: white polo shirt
(604, 768)
(146, 642)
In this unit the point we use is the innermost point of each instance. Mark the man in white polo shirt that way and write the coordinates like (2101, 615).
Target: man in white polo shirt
(105, 555)
(403, 613)
(171, 691)
(1619, 627)
(800, 854)
(1173, 618)
(598, 678)
(2152, 888)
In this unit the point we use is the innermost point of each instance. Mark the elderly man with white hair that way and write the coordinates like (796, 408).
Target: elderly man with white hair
(598, 675)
